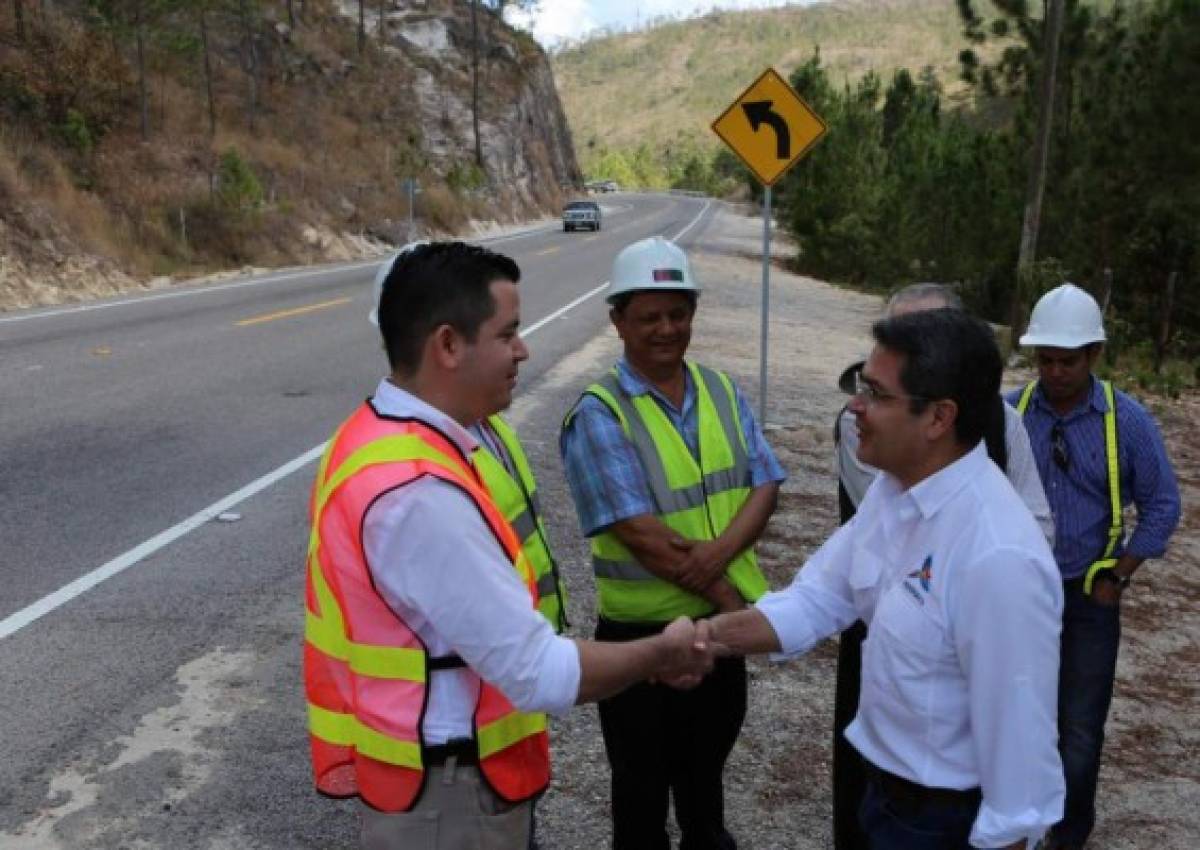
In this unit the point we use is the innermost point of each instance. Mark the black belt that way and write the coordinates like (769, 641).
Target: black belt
(911, 797)
(463, 749)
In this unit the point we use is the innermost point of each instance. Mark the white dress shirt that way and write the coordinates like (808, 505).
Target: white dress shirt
(1021, 470)
(960, 667)
(440, 568)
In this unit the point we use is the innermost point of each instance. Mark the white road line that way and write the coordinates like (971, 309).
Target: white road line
(184, 293)
(254, 281)
(694, 221)
(32, 613)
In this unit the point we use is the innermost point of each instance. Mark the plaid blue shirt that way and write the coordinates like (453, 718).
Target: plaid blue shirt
(1078, 495)
(606, 476)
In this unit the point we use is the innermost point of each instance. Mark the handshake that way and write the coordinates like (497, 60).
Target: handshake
(687, 652)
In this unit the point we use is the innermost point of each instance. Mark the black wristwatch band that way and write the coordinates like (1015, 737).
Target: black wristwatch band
(1111, 575)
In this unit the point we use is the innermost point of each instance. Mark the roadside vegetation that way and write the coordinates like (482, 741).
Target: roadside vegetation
(174, 137)
(923, 173)
(902, 189)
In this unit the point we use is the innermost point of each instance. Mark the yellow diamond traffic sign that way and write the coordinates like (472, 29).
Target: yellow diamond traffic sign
(770, 127)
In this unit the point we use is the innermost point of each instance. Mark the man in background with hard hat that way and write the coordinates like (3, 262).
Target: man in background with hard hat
(674, 483)
(1097, 450)
(428, 671)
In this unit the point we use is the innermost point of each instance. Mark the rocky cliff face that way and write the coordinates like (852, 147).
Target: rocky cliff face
(525, 140)
(298, 157)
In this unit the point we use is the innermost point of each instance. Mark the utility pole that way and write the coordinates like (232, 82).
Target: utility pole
(1036, 189)
(475, 80)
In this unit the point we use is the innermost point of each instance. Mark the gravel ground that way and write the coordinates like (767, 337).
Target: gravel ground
(777, 780)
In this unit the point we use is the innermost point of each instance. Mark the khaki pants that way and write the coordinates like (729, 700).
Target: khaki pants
(456, 811)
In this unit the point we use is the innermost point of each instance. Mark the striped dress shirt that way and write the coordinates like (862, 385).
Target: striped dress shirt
(1078, 493)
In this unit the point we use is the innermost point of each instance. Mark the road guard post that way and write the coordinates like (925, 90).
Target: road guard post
(791, 129)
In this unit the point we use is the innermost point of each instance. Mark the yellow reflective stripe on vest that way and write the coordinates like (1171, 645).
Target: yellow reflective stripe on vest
(1113, 463)
(508, 730)
(346, 730)
(1114, 469)
(379, 662)
(327, 631)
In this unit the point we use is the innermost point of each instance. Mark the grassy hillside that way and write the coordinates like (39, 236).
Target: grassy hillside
(664, 85)
(253, 137)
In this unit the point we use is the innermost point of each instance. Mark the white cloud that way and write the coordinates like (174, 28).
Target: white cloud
(556, 21)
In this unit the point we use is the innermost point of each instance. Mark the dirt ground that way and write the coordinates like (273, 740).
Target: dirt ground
(777, 781)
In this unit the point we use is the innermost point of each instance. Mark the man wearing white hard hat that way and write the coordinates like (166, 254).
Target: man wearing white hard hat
(673, 482)
(1097, 450)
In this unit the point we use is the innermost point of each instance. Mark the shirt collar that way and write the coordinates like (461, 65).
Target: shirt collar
(931, 494)
(391, 400)
(1095, 399)
(632, 382)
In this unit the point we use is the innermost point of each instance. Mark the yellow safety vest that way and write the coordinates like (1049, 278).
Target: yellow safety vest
(698, 500)
(517, 499)
(1117, 525)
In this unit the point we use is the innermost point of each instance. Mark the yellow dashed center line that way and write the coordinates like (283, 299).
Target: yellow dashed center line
(548, 251)
(296, 311)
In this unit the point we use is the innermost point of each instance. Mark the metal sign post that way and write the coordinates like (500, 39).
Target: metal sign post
(792, 129)
(766, 307)
(410, 187)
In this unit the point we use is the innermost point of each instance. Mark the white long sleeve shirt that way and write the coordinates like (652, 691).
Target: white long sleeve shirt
(1021, 470)
(440, 568)
(960, 667)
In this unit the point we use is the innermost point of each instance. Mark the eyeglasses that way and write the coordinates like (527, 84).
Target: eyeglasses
(1058, 447)
(873, 395)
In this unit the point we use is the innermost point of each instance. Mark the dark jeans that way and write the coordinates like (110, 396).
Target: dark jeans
(933, 826)
(665, 743)
(849, 776)
(1091, 637)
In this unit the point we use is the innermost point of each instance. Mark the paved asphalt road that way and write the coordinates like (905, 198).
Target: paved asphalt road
(160, 707)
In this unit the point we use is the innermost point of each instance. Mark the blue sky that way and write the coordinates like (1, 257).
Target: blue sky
(558, 20)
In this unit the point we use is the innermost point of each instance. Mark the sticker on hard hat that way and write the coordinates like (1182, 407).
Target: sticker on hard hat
(661, 275)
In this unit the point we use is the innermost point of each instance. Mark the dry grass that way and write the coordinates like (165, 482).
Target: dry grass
(333, 133)
(666, 84)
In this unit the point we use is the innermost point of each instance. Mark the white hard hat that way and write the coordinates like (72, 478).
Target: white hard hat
(381, 274)
(1065, 317)
(651, 264)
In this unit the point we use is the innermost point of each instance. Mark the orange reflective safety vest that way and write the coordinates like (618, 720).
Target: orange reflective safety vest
(366, 673)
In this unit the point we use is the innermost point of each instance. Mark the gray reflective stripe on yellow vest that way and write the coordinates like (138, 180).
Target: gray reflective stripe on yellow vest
(667, 499)
(1116, 528)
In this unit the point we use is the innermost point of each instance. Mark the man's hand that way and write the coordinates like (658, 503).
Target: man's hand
(688, 654)
(703, 562)
(1106, 593)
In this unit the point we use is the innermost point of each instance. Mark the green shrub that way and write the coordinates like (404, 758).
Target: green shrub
(74, 131)
(238, 187)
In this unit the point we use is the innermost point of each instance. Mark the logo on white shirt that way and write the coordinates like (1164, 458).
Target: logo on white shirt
(923, 576)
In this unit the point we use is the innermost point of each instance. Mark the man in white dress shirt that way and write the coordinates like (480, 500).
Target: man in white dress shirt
(428, 669)
(1008, 445)
(949, 570)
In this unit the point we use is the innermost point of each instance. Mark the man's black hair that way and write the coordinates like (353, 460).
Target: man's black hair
(438, 283)
(947, 355)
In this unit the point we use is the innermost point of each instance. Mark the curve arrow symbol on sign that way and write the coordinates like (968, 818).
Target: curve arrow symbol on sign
(759, 112)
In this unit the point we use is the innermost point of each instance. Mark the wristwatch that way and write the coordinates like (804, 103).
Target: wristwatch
(1112, 575)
